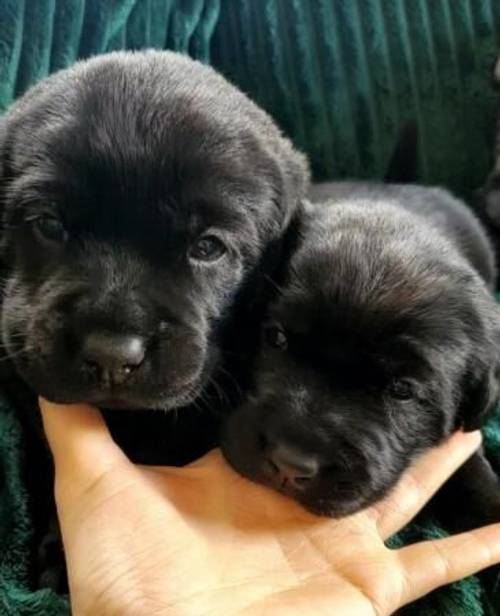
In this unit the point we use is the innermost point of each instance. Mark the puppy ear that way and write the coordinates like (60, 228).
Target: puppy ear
(297, 181)
(479, 399)
(481, 382)
(288, 173)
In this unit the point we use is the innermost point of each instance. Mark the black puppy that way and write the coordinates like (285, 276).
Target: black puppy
(142, 196)
(383, 339)
(138, 192)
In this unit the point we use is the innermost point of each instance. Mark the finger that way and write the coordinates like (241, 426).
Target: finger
(213, 457)
(422, 480)
(80, 442)
(431, 564)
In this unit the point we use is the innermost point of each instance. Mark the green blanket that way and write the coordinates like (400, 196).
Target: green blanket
(341, 77)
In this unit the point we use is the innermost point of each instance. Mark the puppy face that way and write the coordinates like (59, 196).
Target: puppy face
(139, 192)
(381, 342)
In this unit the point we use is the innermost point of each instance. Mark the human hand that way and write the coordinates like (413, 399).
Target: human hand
(201, 540)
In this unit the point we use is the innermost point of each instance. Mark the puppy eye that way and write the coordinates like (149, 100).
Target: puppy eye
(207, 248)
(50, 228)
(276, 337)
(401, 389)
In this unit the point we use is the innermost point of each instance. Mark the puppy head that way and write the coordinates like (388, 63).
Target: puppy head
(380, 343)
(139, 192)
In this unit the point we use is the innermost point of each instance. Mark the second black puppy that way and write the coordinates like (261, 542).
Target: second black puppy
(382, 340)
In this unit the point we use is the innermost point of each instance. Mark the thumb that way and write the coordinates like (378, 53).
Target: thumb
(81, 445)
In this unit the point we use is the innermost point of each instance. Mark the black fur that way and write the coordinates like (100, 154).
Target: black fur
(138, 155)
(389, 285)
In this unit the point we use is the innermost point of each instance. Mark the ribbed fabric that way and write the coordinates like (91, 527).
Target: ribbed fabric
(342, 77)
(40, 36)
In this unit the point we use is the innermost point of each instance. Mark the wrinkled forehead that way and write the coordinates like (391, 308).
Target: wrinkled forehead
(142, 185)
(339, 329)
(98, 148)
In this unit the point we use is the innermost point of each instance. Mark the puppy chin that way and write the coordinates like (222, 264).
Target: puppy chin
(325, 497)
(160, 399)
(151, 404)
(117, 401)
(180, 399)
(141, 395)
(331, 507)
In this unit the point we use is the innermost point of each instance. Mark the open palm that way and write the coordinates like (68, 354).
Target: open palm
(203, 541)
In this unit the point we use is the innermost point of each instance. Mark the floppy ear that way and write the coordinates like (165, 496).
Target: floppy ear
(481, 383)
(479, 399)
(297, 181)
(293, 181)
(286, 169)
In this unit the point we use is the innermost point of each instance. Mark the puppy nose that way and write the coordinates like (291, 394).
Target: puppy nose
(114, 356)
(292, 465)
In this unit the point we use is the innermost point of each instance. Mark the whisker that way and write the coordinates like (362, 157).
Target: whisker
(278, 288)
(233, 380)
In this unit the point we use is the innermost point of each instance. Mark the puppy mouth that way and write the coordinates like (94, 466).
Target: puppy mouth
(116, 403)
(185, 395)
(134, 394)
(319, 496)
(331, 506)
(175, 399)
(332, 503)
